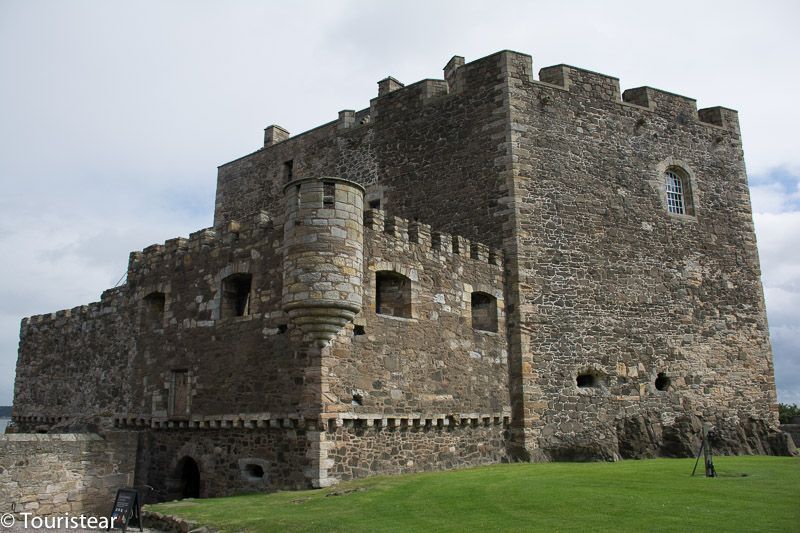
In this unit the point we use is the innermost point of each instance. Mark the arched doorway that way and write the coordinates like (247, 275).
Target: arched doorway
(189, 475)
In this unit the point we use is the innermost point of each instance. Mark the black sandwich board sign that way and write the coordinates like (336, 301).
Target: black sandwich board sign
(127, 507)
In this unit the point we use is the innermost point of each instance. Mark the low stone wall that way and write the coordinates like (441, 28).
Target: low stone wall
(46, 474)
(354, 453)
(794, 431)
(279, 457)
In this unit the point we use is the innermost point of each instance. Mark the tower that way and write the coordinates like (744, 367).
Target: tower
(323, 255)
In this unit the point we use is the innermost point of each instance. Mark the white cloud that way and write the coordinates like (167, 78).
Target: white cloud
(776, 206)
(773, 197)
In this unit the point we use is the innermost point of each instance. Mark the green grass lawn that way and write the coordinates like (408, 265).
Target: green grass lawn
(750, 494)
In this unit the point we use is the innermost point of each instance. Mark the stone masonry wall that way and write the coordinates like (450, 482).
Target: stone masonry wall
(426, 391)
(618, 287)
(620, 327)
(223, 456)
(426, 153)
(433, 362)
(355, 453)
(121, 358)
(235, 364)
(74, 362)
(64, 473)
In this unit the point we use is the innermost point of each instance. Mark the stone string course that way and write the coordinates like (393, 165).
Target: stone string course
(545, 194)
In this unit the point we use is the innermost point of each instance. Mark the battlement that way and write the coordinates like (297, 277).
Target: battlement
(602, 87)
(417, 235)
(108, 304)
(234, 233)
(581, 82)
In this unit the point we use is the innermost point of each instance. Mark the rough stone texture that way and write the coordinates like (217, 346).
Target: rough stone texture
(355, 453)
(323, 255)
(64, 473)
(637, 291)
(621, 327)
(222, 456)
(793, 430)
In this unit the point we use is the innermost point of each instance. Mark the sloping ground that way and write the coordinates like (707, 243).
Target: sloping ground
(751, 494)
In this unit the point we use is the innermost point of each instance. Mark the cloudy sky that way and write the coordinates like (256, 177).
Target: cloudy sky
(114, 115)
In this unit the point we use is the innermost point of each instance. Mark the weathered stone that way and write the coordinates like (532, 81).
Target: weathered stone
(518, 287)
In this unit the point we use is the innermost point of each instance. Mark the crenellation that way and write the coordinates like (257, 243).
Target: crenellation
(420, 234)
(426, 240)
(479, 252)
(720, 116)
(442, 242)
(178, 244)
(454, 75)
(582, 82)
(670, 105)
(396, 227)
(600, 87)
(432, 89)
(639, 96)
(461, 245)
(388, 85)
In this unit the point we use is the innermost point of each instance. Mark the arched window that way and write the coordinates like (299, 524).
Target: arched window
(392, 294)
(484, 312)
(235, 295)
(679, 192)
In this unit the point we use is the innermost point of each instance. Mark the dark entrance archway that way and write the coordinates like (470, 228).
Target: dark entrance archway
(189, 475)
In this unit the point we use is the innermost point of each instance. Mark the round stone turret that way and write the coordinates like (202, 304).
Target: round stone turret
(323, 255)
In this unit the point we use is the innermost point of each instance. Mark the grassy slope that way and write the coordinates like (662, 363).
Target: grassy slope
(750, 494)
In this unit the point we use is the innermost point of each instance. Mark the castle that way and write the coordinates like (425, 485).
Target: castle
(478, 269)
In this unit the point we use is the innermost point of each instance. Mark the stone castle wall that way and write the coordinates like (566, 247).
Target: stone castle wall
(618, 327)
(423, 153)
(256, 374)
(566, 174)
(64, 473)
(225, 457)
(631, 291)
(360, 452)
(74, 363)
(434, 361)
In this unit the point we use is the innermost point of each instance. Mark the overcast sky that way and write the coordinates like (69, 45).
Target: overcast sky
(115, 115)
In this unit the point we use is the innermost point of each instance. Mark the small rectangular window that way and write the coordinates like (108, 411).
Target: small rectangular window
(153, 308)
(328, 195)
(179, 393)
(484, 312)
(235, 295)
(288, 170)
(375, 204)
(392, 294)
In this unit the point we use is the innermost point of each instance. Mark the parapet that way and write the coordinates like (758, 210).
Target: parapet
(388, 85)
(582, 82)
(419, 236)
(109, 303)
(205, 239)
(602, 87)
